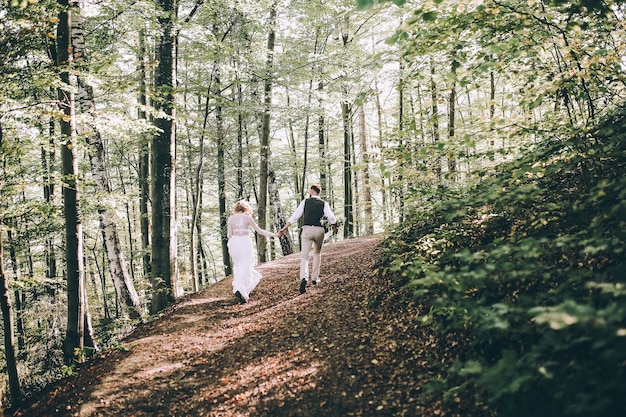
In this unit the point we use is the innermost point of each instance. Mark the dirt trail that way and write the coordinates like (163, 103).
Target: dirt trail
(348, 347)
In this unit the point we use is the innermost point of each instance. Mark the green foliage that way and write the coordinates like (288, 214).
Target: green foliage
(68, 370)
(528, 269)
(364, 4)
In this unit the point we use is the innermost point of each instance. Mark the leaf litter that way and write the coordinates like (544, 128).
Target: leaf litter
(329, 352)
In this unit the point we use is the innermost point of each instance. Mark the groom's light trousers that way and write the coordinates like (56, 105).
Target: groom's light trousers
(311, 237)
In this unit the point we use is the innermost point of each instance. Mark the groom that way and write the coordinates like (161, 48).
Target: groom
(313, 209)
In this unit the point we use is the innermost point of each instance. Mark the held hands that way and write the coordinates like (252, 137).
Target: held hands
(282, 231)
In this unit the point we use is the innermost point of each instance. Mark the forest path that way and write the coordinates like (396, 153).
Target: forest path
(347, 347)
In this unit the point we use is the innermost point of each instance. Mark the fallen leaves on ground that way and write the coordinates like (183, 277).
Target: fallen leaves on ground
(347, 347)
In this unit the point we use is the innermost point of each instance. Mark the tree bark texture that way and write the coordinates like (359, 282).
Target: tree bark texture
(122, 280)
(144, 161)
(348, 227)
(365, 171)
(221, 175)
(381, 158)
(279, 219)
(163, 166)
(71, 199)
(435, 118)
(348, 209)
(9, 335)
(265, 135)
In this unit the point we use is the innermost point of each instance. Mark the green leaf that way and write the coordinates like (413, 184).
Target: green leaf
(364, 4)
(472, 367)
(429, 16)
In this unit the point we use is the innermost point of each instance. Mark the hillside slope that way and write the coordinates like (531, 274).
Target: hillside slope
(348, 347)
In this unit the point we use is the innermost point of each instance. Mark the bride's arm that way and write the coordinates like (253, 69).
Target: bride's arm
(229, 228)
(259, 230)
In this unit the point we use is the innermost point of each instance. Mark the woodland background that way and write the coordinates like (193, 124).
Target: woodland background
(484, 136)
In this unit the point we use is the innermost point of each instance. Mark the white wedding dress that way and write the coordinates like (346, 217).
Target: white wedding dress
(240, 247)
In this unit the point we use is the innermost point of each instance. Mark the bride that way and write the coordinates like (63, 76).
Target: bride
(245, 277)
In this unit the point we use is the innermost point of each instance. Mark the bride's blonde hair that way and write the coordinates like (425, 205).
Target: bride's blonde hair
(242, 206)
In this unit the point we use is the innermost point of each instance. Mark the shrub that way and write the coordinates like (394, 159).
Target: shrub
(528, 267)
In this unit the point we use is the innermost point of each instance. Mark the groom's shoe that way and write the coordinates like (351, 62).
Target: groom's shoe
(303, 286)
(240, 298)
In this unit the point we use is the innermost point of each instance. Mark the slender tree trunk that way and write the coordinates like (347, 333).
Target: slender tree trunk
(435, 118)
(320, 47)
(293, 148)
(48, 160)
(130, 216)
(122, 280)
(399, 189)
(348, 227)
(381, 147)
(103, 285)
(321, 143)
(452, 168)
(221, 176)
(365, 172)
(279, 218)
(274, 196)
(348, 210)
(306, 128)
(265, 135)
(164, 253)
(356, 194)
(19, 319)
(48, 157)
(144, 161)
(196, 217)
(9, 336)
(492, 101)
(200, 185)
(240, 130)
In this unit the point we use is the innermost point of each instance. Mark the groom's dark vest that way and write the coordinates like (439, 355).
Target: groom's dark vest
(313, 211)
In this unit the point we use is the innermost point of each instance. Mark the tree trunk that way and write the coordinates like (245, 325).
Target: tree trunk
(279, 218)
(240, 129)
(348, 212)
(381, 148)
(321, 142)
(48, 158)
(265, 135)
(196, 215)
(221, 176)
(74, 338)
(399, 189)
(144, 161)
(348, 227)
(356, 194)
(163, 171)
(492, 101)
(320, 46)
(124, 287)
(435, 118)
(9, 336)
(199, 263)
(298, 182)
(365, 171)
(452, 168)
(19, 318)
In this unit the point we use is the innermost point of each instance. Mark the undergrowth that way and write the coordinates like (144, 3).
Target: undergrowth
(528, 270)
